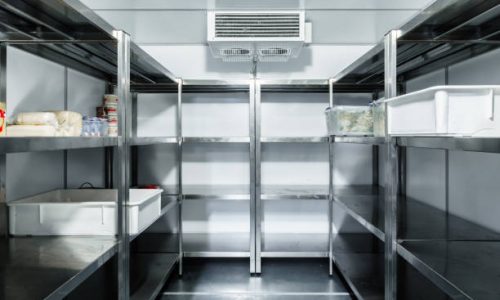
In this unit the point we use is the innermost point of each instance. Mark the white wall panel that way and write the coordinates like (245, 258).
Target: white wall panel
(85, 165)
(315, 62)
(33, 84)
(157, 114)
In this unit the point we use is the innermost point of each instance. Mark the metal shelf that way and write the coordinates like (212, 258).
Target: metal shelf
(167, 203)
(216, 192)
(462, 269)
(491, 145)
(444, 33)
(140, 141)
(360, 259)
(197, 244)
(370, 140)
(50, 267)
(69, 33)
(157, 268)
(229, 139)
(294, 245)
(296, 192)
(365, 204)
(418, 221)
(303, 140)
(31, 144)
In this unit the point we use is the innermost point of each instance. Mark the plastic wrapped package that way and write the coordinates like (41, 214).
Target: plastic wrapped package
(36, 118)
(31, 130)
(70, 123)
(349, 120)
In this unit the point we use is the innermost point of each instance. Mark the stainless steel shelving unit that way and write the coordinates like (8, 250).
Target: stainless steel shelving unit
(68, 33)
(456, 256)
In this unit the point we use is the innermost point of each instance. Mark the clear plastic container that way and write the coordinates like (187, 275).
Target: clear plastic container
(349, 120)
(378, 113)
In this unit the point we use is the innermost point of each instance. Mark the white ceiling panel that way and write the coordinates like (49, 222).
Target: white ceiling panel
(257, 4)
(189, 27)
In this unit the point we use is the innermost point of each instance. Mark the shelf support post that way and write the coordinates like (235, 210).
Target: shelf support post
(253, 240)
(4, 221)
(331, 169)
(180, 196)
(124, 107)
(258, 184)
(391, 171)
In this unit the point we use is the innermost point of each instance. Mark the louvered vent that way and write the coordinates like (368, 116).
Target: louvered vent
(265, 35)
(252, 25)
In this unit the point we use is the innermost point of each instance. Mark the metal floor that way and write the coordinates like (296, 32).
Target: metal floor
(228, 279)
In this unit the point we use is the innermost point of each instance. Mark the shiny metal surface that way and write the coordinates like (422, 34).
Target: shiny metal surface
(252, 159)
(391, 170)
(140, 141)
(218, 82)
(294, 244)
(463, 269)
(491, 145)
(297, 192)
(123, 156)
(157, 268)
(180, 198)
(31, 144)
(304, 139)
(258, 178)
(360, 260)
(50, 267)
(291, 279)
(359, 140)
(229, 139)
(216, 192)
(166, 204)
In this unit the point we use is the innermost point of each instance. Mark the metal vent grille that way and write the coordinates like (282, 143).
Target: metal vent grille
(262, 25)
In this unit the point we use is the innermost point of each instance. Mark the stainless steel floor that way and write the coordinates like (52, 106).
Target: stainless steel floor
(228, 279)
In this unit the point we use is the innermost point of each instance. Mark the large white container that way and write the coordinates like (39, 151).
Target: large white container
(470, 111)
(81, 212)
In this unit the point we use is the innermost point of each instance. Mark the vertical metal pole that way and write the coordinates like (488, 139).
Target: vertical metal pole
(375, 156)
(123, 88)
(108, 167)
(258, 186)
(65, 152)
(391, 171)
(179, 174)
(4, 221)
(331, 141)
(252, 126)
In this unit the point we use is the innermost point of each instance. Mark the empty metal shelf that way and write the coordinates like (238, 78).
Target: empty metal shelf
(156, 268)
(139, 141)
(294, 245)
(50, 267)
(417, 220)
(452, 143)
(216, 192)
(463, 269)
(298, 192)
(290, 139)
(220, 139)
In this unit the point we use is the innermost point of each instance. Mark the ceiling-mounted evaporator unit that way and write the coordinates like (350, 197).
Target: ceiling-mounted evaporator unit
(262, 35)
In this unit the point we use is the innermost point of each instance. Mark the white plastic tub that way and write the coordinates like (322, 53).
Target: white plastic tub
(349, 120)
(469, 111)
(81, 212)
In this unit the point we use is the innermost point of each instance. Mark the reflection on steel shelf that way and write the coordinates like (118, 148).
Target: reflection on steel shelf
(228, 139)
(140, 141)
(30, 144)
(157, 267)
(290, 139)
(216, 192)
(463, 269)
(370, 140)
(50, 266)
(491, 145)
(418, 221)
(297, 192)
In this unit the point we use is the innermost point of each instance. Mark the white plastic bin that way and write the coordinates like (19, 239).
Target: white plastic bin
(81, 212)
(469, 111)
(349, 120)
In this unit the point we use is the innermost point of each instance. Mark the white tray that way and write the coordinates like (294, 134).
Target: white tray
(81, 212)
(471, 111)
